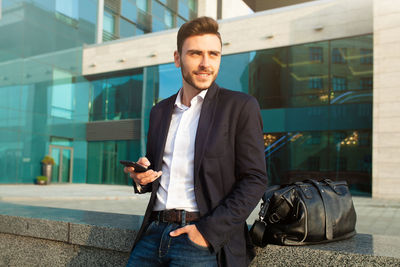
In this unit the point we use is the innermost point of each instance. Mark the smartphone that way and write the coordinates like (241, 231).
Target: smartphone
(137, 166)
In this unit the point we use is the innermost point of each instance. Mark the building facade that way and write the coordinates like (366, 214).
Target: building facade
(327, 105)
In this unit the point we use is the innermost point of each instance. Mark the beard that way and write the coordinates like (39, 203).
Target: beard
(188, 77)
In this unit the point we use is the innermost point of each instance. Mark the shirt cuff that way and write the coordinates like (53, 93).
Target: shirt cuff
(139, 187)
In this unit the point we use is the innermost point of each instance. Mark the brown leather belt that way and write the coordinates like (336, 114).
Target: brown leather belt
(175, 216)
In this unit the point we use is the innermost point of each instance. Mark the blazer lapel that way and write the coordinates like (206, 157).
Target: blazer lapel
(205, 123)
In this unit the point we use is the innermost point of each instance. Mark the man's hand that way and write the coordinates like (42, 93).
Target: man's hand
(194, 235)
(142, 178)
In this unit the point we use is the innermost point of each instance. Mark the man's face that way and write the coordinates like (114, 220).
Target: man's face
(199, 61)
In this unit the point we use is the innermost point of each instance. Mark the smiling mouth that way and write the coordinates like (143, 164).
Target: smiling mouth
(202, 74)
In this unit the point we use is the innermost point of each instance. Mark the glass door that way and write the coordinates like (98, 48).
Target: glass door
(55, 154)
(63, 159)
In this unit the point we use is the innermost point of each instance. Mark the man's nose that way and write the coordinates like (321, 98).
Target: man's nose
(205, 61)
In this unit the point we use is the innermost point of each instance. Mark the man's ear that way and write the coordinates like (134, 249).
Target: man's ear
(177, 59)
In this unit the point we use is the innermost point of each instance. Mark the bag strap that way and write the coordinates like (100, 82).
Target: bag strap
(257, 233)
(327, 208)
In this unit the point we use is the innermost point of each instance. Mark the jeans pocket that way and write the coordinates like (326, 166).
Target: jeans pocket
(150, 228)
(193, 244)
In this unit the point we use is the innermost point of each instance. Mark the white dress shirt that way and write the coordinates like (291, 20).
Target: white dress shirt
(176, 189)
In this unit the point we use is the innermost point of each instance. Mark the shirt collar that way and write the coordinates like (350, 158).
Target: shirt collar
(178, 101)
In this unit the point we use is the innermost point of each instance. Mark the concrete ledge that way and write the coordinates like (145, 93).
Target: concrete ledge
(361, 250)
(32, 236)
(76, 227)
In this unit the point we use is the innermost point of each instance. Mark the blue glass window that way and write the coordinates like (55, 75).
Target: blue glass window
(142, 4)
(128, 10)
(315, 83)
(366, 83)
(339, 84)
(338, 55)
(126, 28)
(68, 8)
(183, 9)
(62, 97)
(109, 22)
(316, 54)
(366, 56)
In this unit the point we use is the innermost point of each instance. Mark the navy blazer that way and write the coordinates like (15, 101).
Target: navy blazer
(229, 168)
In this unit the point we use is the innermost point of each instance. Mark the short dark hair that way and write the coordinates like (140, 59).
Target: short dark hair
(198, 26)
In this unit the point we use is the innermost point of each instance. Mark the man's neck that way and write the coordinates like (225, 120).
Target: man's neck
(187, 95)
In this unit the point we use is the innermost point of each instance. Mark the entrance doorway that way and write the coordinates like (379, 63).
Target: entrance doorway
(63, 163)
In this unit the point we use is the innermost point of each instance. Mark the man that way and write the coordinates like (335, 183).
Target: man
(207, 142)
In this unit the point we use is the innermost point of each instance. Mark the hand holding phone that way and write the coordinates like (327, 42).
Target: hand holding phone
(137, 166)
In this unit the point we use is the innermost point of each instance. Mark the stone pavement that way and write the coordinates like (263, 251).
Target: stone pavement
(374, 216)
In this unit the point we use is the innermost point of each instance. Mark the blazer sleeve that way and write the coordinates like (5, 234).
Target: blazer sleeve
(251, 180)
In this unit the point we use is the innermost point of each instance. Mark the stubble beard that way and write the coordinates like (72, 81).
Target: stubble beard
(186, 75)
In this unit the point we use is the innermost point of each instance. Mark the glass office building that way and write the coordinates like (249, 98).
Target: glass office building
(316, 98)
(45, 103)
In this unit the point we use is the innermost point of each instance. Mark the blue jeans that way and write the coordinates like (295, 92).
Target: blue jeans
(158, 248)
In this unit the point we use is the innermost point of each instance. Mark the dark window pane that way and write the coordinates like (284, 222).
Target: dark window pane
(268, 77)
(336, 155)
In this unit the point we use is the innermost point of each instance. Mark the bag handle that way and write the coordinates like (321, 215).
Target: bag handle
(328, 212)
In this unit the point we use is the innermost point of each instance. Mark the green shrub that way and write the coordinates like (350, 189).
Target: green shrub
(48, 160)
(41, 178)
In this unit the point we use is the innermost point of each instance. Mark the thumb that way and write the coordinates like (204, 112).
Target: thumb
(144, 161)
(178, 231)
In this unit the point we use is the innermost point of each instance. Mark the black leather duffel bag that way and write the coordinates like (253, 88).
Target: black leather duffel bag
(304, 213)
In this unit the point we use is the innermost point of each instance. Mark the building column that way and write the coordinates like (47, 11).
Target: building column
(386, 100)
(99, 26)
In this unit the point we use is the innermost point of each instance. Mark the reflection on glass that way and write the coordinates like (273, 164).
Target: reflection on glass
(62, 96)
(184, 9)
(117, 98)
(142, 4)
(103, 161)
(351, 70)
(60, 141)
(109, 22)
(268, 77)
(66, 165)
(336, 155)
(128, 10)
(234, 72)
(308, 74)
(41, 27)
(67, 8)
(126, 29)
(168, 19)
(170, 81)
(55, 154)
(303, 75)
